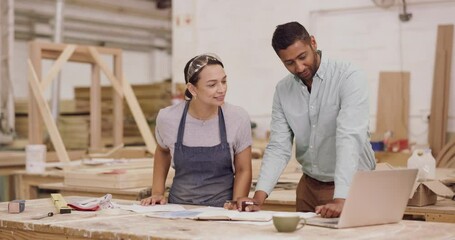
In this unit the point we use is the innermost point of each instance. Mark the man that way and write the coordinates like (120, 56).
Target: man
(324, 105)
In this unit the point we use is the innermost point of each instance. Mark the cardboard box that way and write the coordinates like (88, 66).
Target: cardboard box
(425, 192)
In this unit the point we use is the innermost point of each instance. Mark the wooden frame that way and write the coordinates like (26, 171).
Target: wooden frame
(39, 109)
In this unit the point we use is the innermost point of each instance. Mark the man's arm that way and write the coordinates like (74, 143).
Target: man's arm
(352, 127)
(276, 156)
(352, 130)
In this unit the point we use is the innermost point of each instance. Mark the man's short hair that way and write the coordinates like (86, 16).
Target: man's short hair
(286, 34)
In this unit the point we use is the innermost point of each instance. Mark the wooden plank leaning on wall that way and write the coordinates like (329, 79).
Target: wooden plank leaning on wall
(441, 85)
(393, 104)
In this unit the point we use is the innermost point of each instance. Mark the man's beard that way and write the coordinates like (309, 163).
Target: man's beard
(312, 70)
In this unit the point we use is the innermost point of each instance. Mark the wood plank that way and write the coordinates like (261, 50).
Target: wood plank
(441, 85)
(35, 123)
(393, 104)
(139, 117)
(130, 178)
(132, 193)
(443, 157)
(47, 116)
(95, 109)
(113, 79)
(81, 49)
(447, 160)
(117, 100)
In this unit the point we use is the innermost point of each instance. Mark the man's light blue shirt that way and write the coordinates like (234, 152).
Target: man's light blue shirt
(330, 127)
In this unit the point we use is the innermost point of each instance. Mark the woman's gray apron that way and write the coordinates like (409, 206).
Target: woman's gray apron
(203, 175)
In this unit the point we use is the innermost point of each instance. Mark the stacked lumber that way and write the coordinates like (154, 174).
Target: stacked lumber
(151, 98)
(73, 124)
(131, 173)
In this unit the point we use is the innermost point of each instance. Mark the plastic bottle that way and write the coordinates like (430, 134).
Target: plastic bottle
(429, 166)
(423, 160)
(416, 161)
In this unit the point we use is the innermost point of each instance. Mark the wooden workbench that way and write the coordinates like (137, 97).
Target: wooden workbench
(120, 224)
(442, 211)
(28, 184)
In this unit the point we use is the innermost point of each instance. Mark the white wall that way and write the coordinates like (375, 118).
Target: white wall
(240, 33)
(355, 30)
(138, 68)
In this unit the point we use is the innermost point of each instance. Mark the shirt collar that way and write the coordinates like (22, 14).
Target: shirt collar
(322, 70)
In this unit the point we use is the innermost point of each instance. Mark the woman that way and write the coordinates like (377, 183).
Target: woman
(206, 140)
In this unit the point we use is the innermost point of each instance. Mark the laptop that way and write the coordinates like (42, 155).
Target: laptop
(375, 197)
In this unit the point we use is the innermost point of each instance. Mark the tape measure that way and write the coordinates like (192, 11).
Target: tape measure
(60, 203)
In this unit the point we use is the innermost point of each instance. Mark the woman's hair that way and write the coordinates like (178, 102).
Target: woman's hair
(194, 67)
(286, 34)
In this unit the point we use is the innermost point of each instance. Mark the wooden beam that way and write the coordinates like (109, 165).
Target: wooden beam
(139, 117)
(95, 109)
(62, 59)
(117, 100)
(107, 154)
(35, 123)
(80, 54)
(47, 116)
(115, 83)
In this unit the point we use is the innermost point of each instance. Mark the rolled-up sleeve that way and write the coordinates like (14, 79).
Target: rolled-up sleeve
(278, 151)
(352, 126)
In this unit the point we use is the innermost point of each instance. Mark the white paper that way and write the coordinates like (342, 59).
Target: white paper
(307, 215)
(221, 214)
(155, 208)
(185, 214)
(207, 209)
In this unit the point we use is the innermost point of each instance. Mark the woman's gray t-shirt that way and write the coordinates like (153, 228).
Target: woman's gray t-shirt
(199, 133)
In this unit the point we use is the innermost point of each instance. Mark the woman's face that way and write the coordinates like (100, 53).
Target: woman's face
(211, 87)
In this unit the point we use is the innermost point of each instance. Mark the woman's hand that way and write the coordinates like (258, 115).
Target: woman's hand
(230, 205)
(154, 199)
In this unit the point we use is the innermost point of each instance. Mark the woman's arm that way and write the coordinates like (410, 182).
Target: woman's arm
(242, 182)
(161, 166)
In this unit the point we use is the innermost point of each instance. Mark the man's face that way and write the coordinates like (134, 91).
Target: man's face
(301, 59)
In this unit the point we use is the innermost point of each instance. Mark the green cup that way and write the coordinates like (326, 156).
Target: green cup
(287, 222)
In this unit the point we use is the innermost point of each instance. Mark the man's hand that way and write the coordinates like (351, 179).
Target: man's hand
(248, 207)
(154, 199)
(332, 209)
(253, 204)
